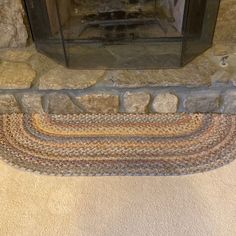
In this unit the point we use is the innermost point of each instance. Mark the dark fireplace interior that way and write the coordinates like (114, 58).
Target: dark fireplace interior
(133, 34)
(109, 21)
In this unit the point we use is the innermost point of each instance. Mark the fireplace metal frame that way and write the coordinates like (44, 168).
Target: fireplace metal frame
(197, 36)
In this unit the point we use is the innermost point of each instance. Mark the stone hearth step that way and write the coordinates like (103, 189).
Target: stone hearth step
(30, 82)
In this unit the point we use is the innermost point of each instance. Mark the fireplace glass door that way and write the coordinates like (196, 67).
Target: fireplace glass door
(117, 34)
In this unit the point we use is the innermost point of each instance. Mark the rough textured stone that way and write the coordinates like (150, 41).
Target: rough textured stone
(8, 104)
(41, 63)
(165, 103)
(14, 75)
(136, 102)
(99, 103)
(17, 55)
(197, 73)
(233, 78)
(221, 50)
(231, 69)
(12, 28)
(226, 25)
(61, 104)
(62, 78)
(230, 102)
(221, 77)
(204, 101)
(32, 103)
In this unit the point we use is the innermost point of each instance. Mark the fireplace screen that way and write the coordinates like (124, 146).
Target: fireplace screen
(129, 34)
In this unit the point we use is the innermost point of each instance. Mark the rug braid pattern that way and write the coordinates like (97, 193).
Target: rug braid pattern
(120, 144)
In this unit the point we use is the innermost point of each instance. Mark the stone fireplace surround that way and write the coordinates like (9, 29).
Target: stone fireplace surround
(31, 82)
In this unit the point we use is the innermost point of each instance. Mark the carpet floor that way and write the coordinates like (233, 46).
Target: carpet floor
(120, 144)
(202, 204)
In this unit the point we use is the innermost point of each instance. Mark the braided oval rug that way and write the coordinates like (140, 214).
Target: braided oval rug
(120, 144)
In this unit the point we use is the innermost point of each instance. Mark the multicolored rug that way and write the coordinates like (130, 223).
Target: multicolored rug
(120, 144)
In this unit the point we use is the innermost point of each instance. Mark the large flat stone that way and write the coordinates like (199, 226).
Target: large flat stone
(221, 49)
(99, 103)
(61, 104)
(226, 25)
(17, 54)
(41, 63)
(165, 103)
(32, 103)
(204, 101)
(12, 27)
(230, 102)
(136, 102)
(231, 69)
(195, 74)
(221, 77)
(14, 75)
(8, 104)
(224, 74)
(62, 78)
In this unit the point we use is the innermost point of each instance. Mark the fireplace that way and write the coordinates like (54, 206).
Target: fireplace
(123, 34)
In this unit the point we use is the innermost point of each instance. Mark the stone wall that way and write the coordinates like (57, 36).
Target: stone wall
(216, 100)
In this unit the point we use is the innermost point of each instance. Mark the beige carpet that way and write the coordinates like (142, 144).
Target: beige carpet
(202, 204)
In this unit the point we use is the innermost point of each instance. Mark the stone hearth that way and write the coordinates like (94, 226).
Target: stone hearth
(31, 82)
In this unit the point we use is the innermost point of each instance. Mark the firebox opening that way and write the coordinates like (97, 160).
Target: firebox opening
(116, 20)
